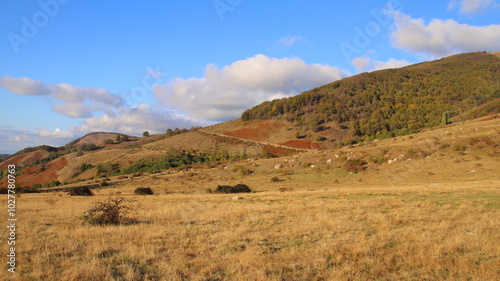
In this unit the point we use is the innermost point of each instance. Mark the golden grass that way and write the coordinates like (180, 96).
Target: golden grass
(360, 233)
(431, 215)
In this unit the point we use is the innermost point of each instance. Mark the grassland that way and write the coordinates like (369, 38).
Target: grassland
(432, 214)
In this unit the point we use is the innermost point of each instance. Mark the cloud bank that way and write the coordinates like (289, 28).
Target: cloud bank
(471, 7)
(365, 64)
(441, 38)
(79, 102)
(224, 93)
(137, 119)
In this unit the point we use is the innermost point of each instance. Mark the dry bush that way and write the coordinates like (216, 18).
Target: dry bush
(355, 165)
(112, 211)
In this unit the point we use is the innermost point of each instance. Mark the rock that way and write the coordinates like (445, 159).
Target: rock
(279, 166)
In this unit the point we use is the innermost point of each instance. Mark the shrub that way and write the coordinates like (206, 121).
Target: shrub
(84, 167)
(113, 211)
(459, 147)
(355, 165)
(275, 179)
(144, 191)
(26, 190)
(244, 172)
(240, 188)
(80, 191)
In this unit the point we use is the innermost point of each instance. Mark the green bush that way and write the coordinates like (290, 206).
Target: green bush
(143, 191)
(113, 211)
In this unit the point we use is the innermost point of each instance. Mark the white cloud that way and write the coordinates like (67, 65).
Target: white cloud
(290, 40)
(12, 140)
(224, 93)
(75, 96)
(135, 120)
(57, 133)
(440, 38)
(468, 7)
(361, 63)
(24, 86)
(365, 63)
(391, 63)
(73, 110)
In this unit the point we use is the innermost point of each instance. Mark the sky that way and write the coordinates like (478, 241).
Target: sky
(70, 67)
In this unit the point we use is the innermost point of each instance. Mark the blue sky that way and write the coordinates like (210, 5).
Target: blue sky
(69, 67)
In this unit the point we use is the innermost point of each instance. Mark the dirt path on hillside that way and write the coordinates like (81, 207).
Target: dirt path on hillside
(257, 142)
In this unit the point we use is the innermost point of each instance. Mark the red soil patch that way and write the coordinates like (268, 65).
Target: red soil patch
(302, 144)
(32, 176)
(256, 131)
(278, 151)
(24, 158)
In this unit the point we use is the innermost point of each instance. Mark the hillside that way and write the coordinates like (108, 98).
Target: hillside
(365, 107)
(372, 211)
(390, 102)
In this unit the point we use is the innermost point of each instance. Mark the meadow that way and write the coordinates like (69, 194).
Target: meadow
(432, 214)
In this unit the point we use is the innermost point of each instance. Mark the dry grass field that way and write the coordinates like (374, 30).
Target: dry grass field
(432, 214)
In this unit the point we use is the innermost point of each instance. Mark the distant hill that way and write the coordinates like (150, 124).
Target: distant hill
(2, 156)
(368, 106)
(392, 102)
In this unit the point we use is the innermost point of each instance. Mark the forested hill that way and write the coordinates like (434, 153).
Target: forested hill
(394, 101)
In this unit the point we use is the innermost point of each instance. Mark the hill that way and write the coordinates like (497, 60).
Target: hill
(391, 102)
(365, 107)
